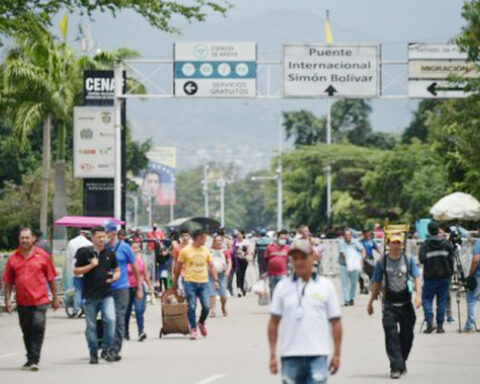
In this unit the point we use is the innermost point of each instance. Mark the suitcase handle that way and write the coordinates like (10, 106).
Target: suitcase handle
(170, 292)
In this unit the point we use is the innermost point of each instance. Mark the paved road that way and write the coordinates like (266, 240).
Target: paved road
(234, 352)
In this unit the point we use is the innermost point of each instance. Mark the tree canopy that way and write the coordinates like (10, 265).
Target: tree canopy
(16, 14)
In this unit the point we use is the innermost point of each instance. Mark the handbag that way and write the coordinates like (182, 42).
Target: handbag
(471, 283)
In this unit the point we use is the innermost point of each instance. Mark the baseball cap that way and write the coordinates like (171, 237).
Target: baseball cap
(300, 245)
(395, 238)
(110, 226)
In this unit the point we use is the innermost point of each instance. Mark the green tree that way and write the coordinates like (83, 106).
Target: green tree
(455, 133)
(39, 88)
(418, 126)
(350, 120)
(350, 123)
(305, 183)
(406, 182)
(16, 14)
(304, 127)
(469, 38)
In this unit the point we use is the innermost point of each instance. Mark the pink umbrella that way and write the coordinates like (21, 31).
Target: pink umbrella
(85, 221)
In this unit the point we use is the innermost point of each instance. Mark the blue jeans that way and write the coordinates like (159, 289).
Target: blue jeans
(471, 303)
(91, 308)
(272, 282)
(121, 297)
(222, 281)
(77, 293)
(304, 370)
(194, 290)
(139, 306)
(432, 288)
(349, 281)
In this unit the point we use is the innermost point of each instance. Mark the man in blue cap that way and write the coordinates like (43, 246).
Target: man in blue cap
(121, 293)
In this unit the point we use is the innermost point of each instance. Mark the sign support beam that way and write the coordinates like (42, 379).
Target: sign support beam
(117, 116)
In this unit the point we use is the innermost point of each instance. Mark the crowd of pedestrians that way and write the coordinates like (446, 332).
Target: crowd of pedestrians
(115, 271)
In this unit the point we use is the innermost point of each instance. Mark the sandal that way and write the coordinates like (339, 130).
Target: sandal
(213, 314)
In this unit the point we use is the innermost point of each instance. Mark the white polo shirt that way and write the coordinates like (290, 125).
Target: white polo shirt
(305, 331)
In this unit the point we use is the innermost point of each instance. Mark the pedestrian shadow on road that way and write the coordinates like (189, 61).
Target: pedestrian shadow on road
(75, 361)
(381, 376)
(10, 369)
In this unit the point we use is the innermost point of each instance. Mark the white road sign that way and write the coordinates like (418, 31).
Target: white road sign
(432, 69)
(317, 70)
(223, 70)
(93, 142)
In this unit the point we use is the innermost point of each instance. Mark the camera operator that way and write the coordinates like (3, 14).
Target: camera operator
(474, 291)
(436, 254)
(456, 241)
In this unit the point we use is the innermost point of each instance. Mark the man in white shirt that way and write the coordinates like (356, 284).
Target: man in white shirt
(306, 313)
(80, 241)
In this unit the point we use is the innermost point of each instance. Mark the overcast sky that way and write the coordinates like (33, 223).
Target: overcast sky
(248, 130)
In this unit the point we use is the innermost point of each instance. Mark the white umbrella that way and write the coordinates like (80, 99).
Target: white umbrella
(456, 206)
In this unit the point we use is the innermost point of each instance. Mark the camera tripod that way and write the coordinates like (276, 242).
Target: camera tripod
(460, 282)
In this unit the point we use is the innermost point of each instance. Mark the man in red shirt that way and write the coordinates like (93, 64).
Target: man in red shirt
(275, 260)
(29, 269)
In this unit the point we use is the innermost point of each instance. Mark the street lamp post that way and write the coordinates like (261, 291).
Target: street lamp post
(205, 189)
(117, 119)
(278, 178)
(135, 207)
(221, 183)
(328, 168)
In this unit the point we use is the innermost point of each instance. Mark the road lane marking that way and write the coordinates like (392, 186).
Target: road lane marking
(9, 355)
(211, 379)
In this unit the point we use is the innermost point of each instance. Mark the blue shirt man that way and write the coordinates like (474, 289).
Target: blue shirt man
(369, 244)
(124, 256)
(349, 247)
(121, 291)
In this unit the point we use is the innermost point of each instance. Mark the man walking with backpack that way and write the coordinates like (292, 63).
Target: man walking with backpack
(436, 254)
(393, 273)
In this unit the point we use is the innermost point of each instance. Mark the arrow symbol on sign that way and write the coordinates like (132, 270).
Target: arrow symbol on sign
(330, 90)
(190, 88)
(432, 88)
(435, 87)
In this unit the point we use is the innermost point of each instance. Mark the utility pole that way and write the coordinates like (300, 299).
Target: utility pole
(205, 188)
(150, 213)
(280, 177)
(171, 210)
(328, 168)
(221, 184)
(117, 119)
(135, 208)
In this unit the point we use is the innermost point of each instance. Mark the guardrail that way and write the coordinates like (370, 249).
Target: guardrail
(330, 266)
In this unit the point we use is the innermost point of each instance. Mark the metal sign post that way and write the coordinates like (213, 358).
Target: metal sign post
(117, 119)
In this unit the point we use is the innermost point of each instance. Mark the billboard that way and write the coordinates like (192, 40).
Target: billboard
(159, 179)
(93, 142)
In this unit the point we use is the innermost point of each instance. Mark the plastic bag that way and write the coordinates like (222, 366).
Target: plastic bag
(260, 288)
(353, 260)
